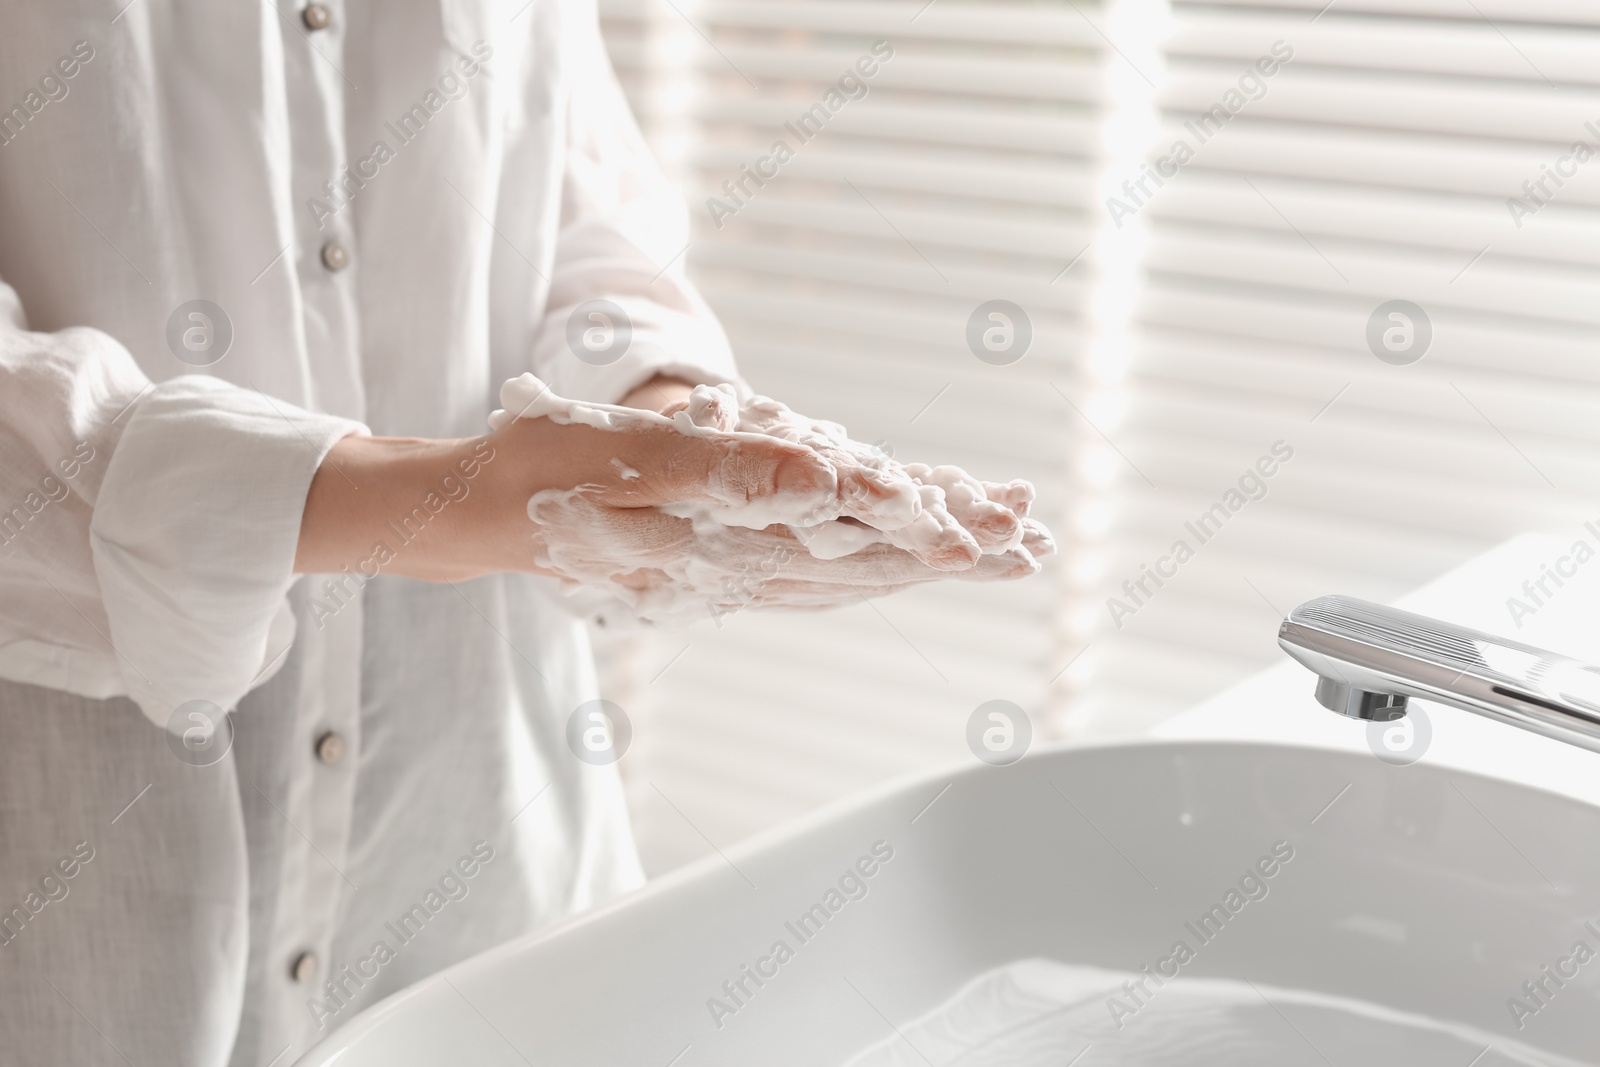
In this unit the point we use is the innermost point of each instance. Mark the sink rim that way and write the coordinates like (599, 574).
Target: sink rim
(331, 1047)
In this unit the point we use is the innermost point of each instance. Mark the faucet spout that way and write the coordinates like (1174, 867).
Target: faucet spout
(1370, 660)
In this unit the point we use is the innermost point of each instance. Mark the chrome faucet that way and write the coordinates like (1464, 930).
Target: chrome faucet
(1371, 659)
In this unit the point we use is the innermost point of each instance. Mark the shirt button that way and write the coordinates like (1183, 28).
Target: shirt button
(316, 16)
(304, 968)
(334, 256)
(330, 748)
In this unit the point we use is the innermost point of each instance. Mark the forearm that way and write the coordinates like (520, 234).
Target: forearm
(434, 509)
(438, 510)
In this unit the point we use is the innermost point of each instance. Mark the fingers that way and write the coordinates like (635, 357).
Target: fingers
(672, 569)
(797, 596)
(934, 536)
(878, 565)
(878, 494)
(881, 496)
(941, 516)
(748, 479)
(953, 524)
(1016, 495)
(1036, 539)
(955, 520)
(725, 500)
(801, 587)
(874, 490)
(1005, 566)
(993, 525)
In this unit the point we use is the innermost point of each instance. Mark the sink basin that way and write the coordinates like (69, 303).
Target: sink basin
(1418, 893)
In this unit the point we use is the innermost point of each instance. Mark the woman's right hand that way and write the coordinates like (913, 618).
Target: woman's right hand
(447, 510)
(866, 527)
(702, 505)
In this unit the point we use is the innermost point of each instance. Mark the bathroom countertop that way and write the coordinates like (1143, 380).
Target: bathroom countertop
(1278, 705)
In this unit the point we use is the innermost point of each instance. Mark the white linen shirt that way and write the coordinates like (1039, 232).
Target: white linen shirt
(395, 206)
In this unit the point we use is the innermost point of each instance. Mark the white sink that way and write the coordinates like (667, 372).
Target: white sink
(1421, 892)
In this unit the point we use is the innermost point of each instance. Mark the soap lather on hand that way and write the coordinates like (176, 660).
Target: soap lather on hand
(872, 527)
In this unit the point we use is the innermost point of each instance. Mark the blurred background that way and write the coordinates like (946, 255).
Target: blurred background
(1438, 152)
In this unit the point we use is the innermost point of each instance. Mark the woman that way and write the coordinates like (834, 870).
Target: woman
(244, 248)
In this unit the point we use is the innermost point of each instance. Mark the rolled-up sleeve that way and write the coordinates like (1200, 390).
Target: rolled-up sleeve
(147, 530)
(624, 237)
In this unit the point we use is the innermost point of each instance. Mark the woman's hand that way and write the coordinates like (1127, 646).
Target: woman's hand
(446, 510)
(671, 569)
(880, 527)
(697, 500)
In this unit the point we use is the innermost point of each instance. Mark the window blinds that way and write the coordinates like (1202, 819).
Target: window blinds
(1200, 373)
(1379, 164)
(962, 175)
